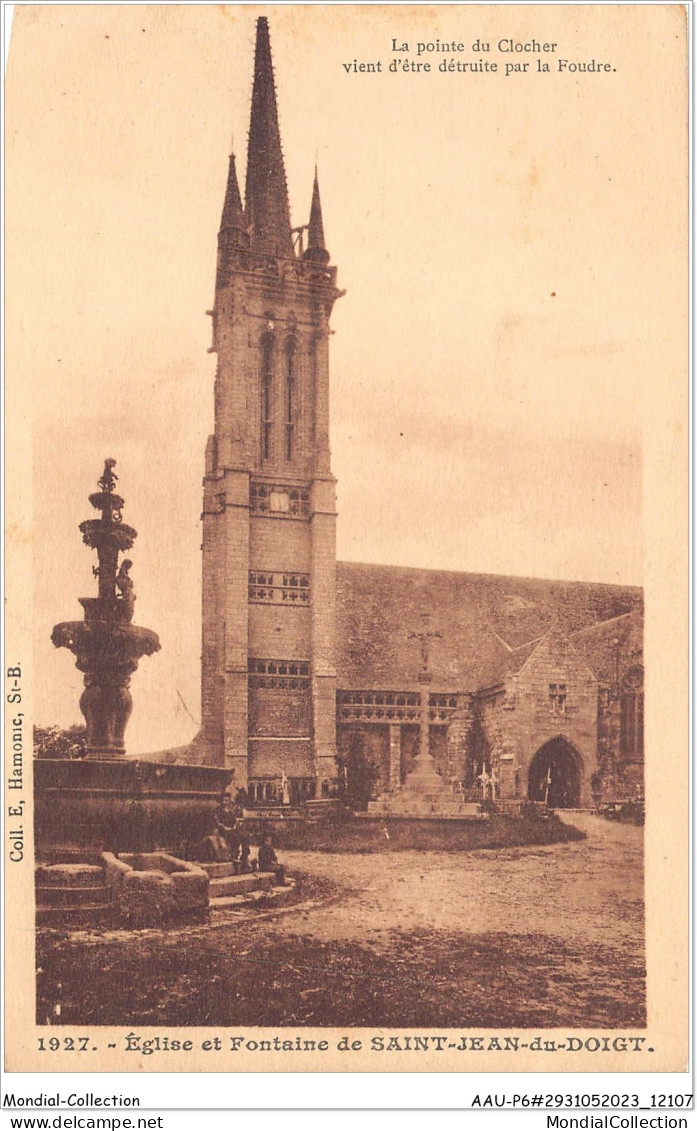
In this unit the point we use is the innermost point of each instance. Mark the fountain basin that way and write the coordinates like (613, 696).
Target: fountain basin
(124, 805)
(98, 641)
(114, 536)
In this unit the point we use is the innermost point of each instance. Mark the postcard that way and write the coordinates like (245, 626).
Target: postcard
(347, 548)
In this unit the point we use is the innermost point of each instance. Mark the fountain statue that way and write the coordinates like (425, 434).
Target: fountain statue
(106, 645)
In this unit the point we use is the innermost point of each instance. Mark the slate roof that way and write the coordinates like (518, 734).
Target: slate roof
(601, 644)
(509, 663)
(486, 622)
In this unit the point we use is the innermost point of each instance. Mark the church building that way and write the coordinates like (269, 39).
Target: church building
(515, 688)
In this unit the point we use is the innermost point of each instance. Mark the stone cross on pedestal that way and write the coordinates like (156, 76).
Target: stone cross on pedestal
(425, 675)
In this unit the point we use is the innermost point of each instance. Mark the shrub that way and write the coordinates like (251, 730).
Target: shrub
(55, 742)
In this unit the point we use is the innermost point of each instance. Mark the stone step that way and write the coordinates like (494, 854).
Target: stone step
(68, 875)
(402, 799)
(240, 885)
(51, 895)
(218, 870)
(89, 915)
(445, 802)
(274, 811)
(275, 896)
(401, 806)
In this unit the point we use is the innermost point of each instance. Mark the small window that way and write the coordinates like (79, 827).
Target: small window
(557, 698)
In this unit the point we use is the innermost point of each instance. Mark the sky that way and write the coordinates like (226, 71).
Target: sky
(506, 352)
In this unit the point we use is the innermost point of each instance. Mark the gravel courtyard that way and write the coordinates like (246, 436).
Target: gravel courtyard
(538, 936)
(590, 891)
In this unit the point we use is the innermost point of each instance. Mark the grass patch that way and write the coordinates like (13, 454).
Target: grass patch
(241, 974)
(355, 835)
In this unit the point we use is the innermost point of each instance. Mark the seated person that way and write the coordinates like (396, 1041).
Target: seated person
(267, 860)
(212, 849)
(230, 831)
(245, 864)
(226, 812)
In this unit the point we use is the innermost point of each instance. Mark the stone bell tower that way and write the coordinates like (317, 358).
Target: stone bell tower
(268, 663)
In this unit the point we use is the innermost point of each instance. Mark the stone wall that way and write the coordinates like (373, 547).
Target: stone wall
(614, 650)
(270, 758)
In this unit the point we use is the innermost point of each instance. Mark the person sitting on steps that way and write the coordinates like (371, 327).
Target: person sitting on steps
(268, 861)
(227, 824)
(245, 863)
(213, 849)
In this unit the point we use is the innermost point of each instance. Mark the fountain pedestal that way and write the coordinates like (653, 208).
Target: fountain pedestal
(108, 653)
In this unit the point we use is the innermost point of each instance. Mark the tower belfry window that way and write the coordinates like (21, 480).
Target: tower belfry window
(290, 400)
(267, 352)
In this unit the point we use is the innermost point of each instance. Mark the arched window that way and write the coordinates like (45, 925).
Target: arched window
(290, 391)
(632, 714)
(266, 383)
(312, 393)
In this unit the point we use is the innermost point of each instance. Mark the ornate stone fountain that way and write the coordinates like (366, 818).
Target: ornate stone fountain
(106, 645)
(107, 800)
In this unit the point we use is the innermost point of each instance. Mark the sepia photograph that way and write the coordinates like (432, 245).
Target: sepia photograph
(346, 658)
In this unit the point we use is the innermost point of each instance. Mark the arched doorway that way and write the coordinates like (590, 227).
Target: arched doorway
(555, 775)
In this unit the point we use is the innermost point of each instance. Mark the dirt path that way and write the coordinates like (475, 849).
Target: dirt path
(588, 891)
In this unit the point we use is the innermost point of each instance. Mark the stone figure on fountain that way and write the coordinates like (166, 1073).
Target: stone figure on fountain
(124, 584)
